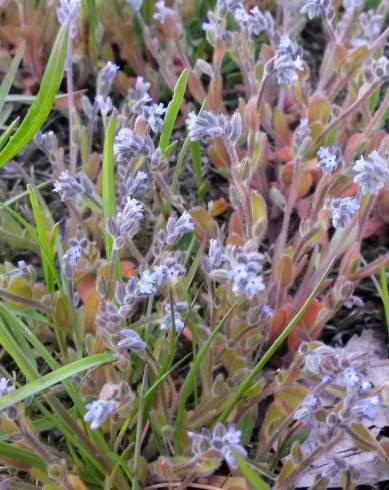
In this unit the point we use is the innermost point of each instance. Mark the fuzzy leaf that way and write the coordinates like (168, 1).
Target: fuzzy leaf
(57, 376)
(172, 111)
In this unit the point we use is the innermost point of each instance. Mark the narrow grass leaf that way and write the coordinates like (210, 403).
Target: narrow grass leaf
(246, 470)
(21, 329)
(139, 429)
(172, 111)
(55, 377)
(191, 378)
(25, 457)
(193, 268)
(93, 31)
(40, 108)
(248, 381)
(181, 155)
(44, 239)
(13, 324)
(8, 79)
(109, 195)
(385, 293)
(147, 400)
(7, 133)
(15, 351)
(4, 115)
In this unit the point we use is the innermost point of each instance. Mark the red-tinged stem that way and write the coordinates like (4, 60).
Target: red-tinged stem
(371, 268)
(282, 239)
(380, 41)
(71, 106)
(371, 200)
(347, 112)
(240, 187)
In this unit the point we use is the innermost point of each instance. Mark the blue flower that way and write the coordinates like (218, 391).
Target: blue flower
(98, 411)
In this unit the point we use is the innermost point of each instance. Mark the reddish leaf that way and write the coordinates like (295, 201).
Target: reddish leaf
(283, 315)
(86, 288)
(218, 207)
(128, 269)
(305, 329)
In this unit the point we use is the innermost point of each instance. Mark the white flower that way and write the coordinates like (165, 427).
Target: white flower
(287, 61)
(208, 125)
(176, 228)
(254, 285)
(98, 411)
(162, 12)
(68, 13)
(328, 159)
(179, 324)
(343, 209)
(146, 284)
(372, 172)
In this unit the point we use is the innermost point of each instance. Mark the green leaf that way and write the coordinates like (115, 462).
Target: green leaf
(44, 242)
(138, 437)
(7, 133)
(55, 377)
(25, 456)
(147, 400)
(181, 155)
(10, 75)
(191, 377)
(109, 195)
(40, 108)
(300, 436)
(373, 100)
(5, 113)
(93, 31)
(16, 352)
(384, 293)
(247, 471)
(172, 111)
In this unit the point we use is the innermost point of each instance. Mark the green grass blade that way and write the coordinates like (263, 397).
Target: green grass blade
(12, 323)
(55, 377)
(40, 108)
(15, 351)
(147, 399)
(172, 111)
(29, 99)
(93, 32)
(47, 253)
(30, 230)
(6, 84)
(109, 194)
(195, 151)
(7, 133)
(25, 456)
(191, 379)
(384, 293)
(246, 470)
(181, 155)
(138, 437)
(193, 268)
(20, 328)
(4, 115)
(247, 383)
